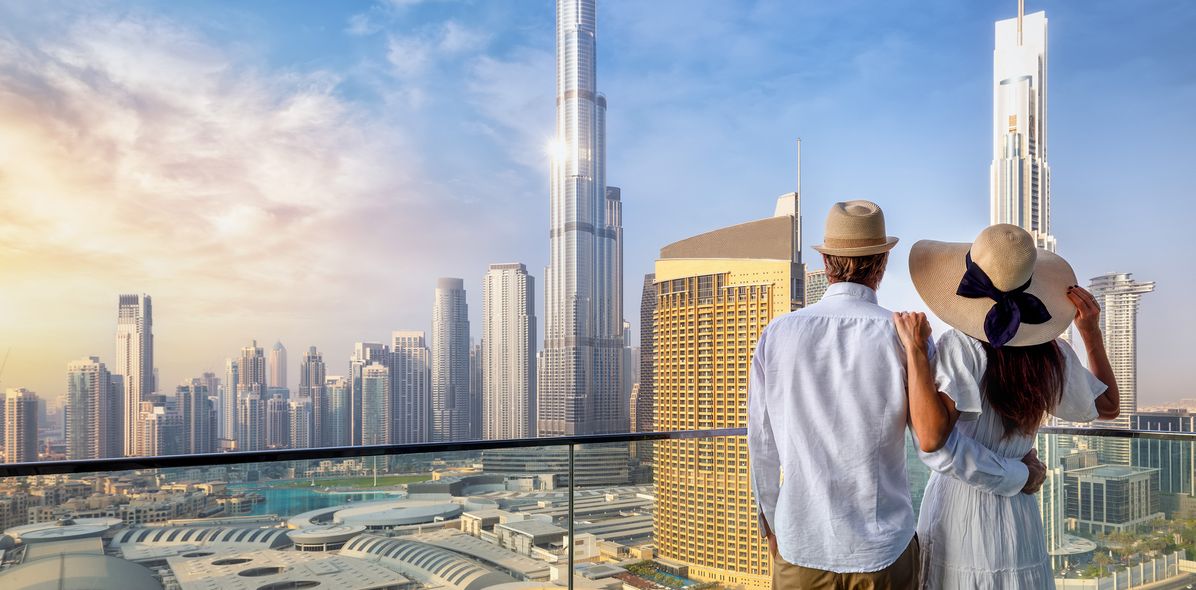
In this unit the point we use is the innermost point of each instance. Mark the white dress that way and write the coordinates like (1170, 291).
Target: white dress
(973, 539)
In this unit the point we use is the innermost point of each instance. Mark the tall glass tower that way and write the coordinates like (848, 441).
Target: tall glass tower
(580, 386)
(1020, 176)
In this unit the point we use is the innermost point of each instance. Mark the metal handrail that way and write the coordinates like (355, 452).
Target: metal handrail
(277, 455)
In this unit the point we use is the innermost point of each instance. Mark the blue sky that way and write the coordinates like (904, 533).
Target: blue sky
(304, 171)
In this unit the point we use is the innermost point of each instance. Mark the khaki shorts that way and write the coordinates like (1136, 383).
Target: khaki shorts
(901, 575)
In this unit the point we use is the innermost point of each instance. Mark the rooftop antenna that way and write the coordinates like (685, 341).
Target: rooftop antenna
(1021, 12)
(799, 166)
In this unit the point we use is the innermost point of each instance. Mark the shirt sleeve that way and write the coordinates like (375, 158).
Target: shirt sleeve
(762, 448)
(976, 465)
(958, 368)
(1080, 389)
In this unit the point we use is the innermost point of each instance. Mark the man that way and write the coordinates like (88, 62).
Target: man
(827, 413)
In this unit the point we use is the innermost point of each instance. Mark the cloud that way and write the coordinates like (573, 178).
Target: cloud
(410, 55)
(138, 155)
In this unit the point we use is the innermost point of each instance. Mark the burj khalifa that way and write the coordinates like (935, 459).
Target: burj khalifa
(580, 389)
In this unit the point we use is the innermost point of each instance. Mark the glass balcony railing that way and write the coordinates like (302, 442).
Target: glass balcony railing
(650, 511)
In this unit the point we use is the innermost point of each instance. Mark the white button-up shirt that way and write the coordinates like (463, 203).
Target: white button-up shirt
(827, 408)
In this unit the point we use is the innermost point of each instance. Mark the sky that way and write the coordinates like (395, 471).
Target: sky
(303, 171)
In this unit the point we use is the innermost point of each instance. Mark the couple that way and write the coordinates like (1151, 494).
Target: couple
(835, 385)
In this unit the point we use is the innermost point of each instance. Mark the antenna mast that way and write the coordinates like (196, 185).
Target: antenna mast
(1021, 12)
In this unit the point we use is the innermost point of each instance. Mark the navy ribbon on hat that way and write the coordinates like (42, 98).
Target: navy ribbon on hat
(1011, 310)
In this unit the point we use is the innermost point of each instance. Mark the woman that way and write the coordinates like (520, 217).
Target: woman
(995, 377)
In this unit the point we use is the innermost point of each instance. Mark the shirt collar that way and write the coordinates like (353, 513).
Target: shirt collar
(855, 290)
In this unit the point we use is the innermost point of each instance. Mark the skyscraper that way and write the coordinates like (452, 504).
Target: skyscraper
(251, 422)
(1020, 176)
(161, 428)
(364, 355)
(251, 398)
(20, 426)
(375, 405)
(580, 388)
(450, 362)
(198, 417)
(229, 409)
(94, 413)
(1118, 295)
(715, 294)
(508, 352)
(411, 382)
(278, 422)
(302, 427)
(816, 284)
(311, 371)
(278, 365)
(642, 418)
(134, 361)
(336, 424)
(476, 382)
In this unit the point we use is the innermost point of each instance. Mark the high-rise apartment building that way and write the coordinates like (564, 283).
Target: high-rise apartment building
(580, 376)
(476, 389)
(251, 398)
(278, 366)
(251, 422)
(509, 352)
(336, 425)
(450, 362)
(302, 426)
(278, 422)
(410, 366)
(1119, 295)
(20, 426)
(375, 405)
(816, 284)
(643, 416)
(715, 294)
(134, 362)
(198, 417)
(94, 427)
(311, 372)
(1020, 177)
(364, 355)
(229, 409)
(161, 428)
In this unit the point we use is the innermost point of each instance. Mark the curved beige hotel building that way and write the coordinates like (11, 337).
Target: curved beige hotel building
(715, 293)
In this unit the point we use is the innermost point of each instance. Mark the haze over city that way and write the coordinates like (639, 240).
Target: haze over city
(307, 178)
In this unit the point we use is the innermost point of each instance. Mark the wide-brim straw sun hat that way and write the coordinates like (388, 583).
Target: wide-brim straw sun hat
(855, 228)
(1000, 289)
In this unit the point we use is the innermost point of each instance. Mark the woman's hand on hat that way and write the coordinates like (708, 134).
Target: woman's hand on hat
(913, 330)
(1087, 311)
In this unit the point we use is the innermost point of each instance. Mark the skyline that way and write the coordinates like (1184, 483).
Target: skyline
(59, 289)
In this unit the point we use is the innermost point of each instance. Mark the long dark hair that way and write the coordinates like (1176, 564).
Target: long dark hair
(1023, 383)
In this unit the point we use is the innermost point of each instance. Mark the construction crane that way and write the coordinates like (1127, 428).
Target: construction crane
(4, 364)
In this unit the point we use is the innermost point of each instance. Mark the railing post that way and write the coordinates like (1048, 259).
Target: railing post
(572, 541)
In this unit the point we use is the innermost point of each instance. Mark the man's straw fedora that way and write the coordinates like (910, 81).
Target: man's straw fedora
(855, 228)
